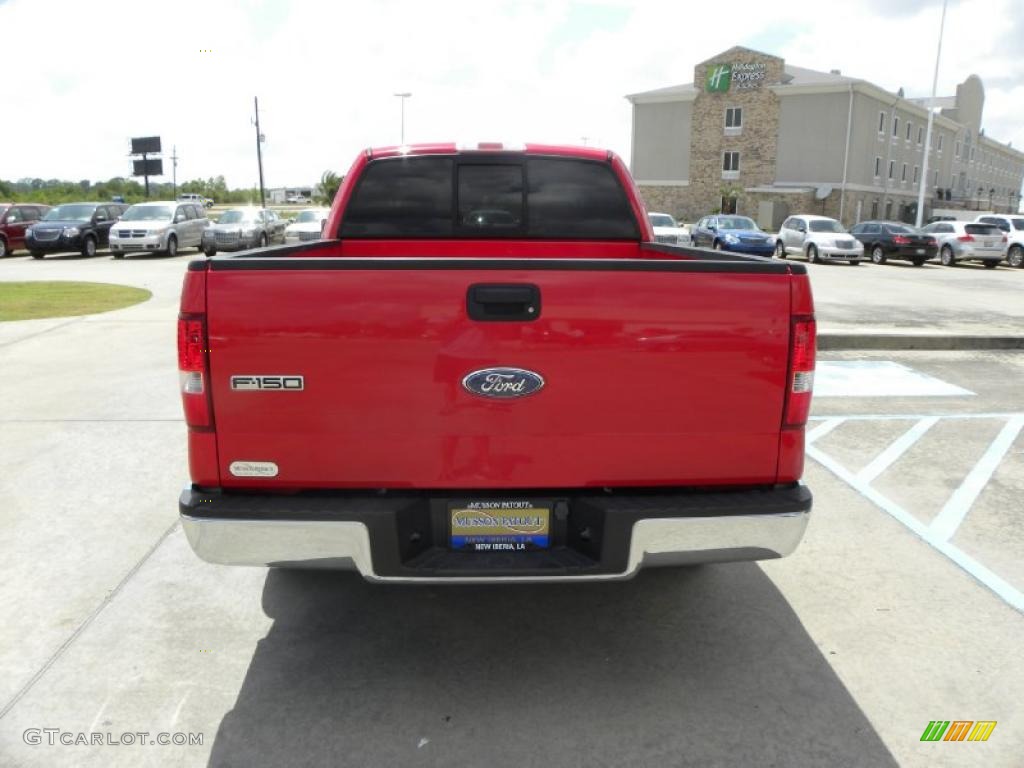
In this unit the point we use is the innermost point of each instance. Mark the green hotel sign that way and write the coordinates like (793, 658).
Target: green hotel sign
(741, 77)
(718, 78)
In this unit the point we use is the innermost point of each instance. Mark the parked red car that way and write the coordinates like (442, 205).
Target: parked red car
(490, 371)
(14, 219)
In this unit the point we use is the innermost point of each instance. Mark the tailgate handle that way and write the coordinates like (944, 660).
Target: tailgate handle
(503, 301)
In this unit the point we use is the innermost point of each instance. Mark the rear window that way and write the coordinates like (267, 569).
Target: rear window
(982, 229)
(535, 197)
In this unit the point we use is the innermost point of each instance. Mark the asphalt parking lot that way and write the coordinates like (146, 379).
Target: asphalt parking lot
(902, 605)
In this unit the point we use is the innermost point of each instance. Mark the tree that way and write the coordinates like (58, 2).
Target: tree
(329, 182)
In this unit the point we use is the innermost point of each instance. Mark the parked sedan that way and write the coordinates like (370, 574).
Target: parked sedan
(884, 240)
(819, 239)
(14, 220)
(732, 233)
(667, 230)
(82, 227)
(239, 229)
(968, 241)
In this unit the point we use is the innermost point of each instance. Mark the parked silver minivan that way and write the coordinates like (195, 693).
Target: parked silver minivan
(161, 227)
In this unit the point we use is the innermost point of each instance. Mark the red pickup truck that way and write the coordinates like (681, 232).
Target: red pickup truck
(489, 371)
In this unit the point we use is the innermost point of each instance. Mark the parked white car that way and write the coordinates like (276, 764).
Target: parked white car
(161, 227)
(968, 241)
(308, 225)
(1013, 228)
(817, 238)
(667, 230)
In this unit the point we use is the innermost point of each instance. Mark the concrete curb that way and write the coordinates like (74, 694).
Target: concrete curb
(834, 341)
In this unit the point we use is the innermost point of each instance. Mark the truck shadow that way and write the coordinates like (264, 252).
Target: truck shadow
(704, 666)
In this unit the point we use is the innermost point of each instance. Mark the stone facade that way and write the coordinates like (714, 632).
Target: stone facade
(756, 141)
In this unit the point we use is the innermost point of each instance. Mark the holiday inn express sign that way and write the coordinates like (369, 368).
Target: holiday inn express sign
(742, 77)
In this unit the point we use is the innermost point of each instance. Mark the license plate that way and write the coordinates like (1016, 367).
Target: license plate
(500, 526)
(989, 243)
(920, 251)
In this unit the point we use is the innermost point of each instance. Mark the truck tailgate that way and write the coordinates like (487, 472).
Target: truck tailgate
(656, 373)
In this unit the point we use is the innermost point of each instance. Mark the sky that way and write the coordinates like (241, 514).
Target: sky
(90, 75)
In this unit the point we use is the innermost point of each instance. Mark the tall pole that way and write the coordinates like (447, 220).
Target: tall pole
(174, 171)
(931, 118)
(259, 152)
(402, 97)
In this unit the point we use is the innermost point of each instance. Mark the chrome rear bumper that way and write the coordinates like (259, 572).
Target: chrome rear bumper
(346, 544)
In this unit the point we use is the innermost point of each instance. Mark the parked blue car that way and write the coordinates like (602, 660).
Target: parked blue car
(732, 233)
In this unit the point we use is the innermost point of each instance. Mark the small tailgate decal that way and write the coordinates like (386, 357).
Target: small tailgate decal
(253, 469)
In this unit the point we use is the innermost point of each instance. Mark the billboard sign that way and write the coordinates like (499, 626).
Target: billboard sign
(146, 145)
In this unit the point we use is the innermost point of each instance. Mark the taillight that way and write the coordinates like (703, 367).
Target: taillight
(901, 240)
(966, 238)
(803, 338)
(193, 369)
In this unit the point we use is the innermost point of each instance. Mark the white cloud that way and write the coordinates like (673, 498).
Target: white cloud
(325, 72)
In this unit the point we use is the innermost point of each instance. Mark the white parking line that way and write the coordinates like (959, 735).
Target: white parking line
(955, 509)
(946, 523)
(822, 429)
(1002, 588)
(897, 449)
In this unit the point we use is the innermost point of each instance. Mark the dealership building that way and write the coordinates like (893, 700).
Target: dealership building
(754, 135)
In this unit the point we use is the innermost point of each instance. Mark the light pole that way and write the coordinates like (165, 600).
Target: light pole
(403, 97)
(260, 138)
(931, 117)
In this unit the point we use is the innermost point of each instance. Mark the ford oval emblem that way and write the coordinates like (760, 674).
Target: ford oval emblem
(503, 383)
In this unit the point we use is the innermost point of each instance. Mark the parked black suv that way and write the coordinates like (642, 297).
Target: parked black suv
(81, 227)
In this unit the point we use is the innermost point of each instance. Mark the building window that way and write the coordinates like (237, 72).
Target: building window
(940, 142)
(895, 127)
(878, 167)
(903, 178)
(910, 128)
(920, 135)
(874, 209)
(881, 123)
(956, 150)
(888, 209)
(733, 121)
(916, 172)
(892, 169)
(730, 165)
(935, 183)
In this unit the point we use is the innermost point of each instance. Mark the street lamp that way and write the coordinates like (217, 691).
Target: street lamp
(931, 118)
(403, 97)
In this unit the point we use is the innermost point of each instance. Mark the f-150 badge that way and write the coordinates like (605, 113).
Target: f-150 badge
(503, 383)
(260, 383)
